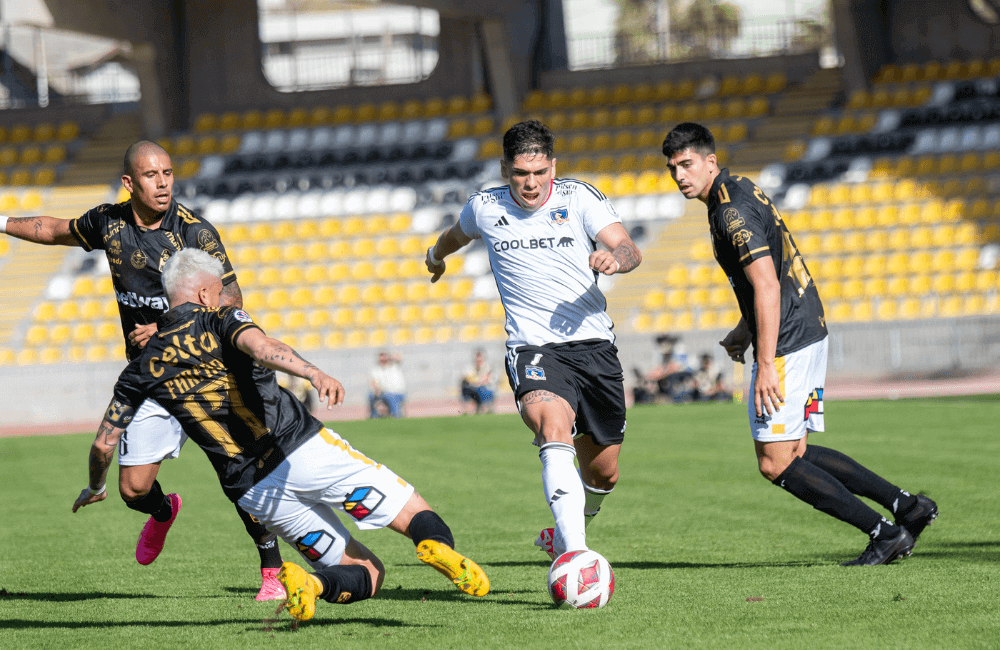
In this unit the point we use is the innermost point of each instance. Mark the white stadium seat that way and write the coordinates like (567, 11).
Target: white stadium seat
(437, 130)
(262, 208)
(308, 205)
(251, 143)
(356, 200)
(298, 139)
(322, 138)
(344, 136)
(413, 132)
(390, 134)
(286, 206)
(403, 199)
(216, 211)
(275, 142)
(332, 204)
(465, 150)
(239, 209)
(212, 167)
(366, 136)
(377, 200)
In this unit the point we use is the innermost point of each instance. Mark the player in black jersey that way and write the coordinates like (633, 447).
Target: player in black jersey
(783, 319)
(213, 369)
(138, 236)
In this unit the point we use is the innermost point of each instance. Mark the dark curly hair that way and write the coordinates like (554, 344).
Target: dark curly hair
(688, 136)
(531, 137)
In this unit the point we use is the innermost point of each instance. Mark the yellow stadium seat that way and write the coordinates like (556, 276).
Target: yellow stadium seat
(318, 318)
(67, 311)
(343, 318)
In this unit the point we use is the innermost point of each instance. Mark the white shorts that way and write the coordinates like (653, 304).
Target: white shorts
(297, 500)
(152, 435)
(802, 375)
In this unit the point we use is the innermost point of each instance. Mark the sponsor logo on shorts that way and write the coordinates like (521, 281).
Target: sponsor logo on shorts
(534, 372)
(242, 316)
(362, 502)
(314, 545)
(814, 403)
(559, 215)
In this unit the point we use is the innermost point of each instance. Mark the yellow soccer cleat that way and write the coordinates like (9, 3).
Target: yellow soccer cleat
(466, 574)
(302, 589)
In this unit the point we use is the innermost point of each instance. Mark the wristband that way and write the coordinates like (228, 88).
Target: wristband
(430, 255)
(3, 224)
(618, 265)
(94, 492)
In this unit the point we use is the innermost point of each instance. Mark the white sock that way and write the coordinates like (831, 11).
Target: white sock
(565, 496)
(595, 497)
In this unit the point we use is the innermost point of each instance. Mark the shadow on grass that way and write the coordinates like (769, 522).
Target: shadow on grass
(264, 626)
(966, 551)
(66, 597)
(822, 561)
(451, 595)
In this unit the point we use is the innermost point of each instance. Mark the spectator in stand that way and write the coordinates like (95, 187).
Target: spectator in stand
(388, 387)
(708, 382)
(479, 385)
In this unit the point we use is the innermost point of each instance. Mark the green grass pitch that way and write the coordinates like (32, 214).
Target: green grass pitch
(706, 553)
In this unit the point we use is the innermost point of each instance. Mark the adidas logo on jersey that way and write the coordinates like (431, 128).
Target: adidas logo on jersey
(502, 222)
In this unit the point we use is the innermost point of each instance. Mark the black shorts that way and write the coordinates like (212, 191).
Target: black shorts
(587, 374)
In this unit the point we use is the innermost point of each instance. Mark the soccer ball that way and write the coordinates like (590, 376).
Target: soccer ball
(581, 580)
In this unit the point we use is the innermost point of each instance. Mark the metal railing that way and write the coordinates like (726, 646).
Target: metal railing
(752, 39)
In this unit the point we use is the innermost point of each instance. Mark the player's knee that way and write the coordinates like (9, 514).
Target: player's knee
(603, 477)
(132, 490)
(770, 468)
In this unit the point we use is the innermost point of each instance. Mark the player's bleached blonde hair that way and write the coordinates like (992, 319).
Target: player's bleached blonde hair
(184, 266)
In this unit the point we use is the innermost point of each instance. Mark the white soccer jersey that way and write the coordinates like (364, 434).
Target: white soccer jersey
(540, 260)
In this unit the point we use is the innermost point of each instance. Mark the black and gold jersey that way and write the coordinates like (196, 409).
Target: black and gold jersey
(136, 256)
(745, 226)
(230, 406)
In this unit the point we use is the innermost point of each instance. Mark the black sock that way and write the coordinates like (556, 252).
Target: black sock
(265, 540)
(426, 524)
(153, 503)
(825, 493)
(345, 584)
(859, 479)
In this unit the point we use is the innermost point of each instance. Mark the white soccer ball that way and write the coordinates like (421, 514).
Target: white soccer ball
(581, 580)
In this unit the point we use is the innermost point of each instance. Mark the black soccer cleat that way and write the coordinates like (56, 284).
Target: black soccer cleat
(920, 516)
(884, 551)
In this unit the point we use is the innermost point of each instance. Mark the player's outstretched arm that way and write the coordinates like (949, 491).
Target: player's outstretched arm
(622, 255)
(102, 451)
(276, 355)
(450, 241)
(39, 230)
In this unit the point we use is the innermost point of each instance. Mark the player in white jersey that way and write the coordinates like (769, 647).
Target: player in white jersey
(542, 234)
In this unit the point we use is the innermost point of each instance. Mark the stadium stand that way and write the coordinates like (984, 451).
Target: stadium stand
(327, 211)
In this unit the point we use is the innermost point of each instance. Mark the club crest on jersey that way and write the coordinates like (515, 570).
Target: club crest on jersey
(314, 545)
(733, 219)
(207, 241)
(559, 215)
(814, 403)
(362, 502)
(242, 316)
(534, 372)
(138, 259)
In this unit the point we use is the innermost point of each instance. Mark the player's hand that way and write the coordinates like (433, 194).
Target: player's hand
(767, 390)
(736, 343)
(86, 498)
(141, 334)
(436, 270)
(330, 390)
(604, 262)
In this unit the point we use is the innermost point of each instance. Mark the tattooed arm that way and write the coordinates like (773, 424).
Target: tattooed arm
(102, 451)
(231, 295)
(624, 255)
(276, 355)
(42, 230)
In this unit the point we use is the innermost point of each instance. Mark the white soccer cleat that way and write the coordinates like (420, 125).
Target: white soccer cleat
(546, 537)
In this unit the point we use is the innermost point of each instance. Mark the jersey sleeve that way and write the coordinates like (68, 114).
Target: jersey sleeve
(467, 220)
(130, 387)
(89, 229)
(745, 224)
(596, 210)
(203, 235)
(232, 322)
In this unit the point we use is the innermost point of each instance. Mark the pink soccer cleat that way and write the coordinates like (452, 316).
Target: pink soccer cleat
(270, 588)
(154, 533)
(544, 541)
